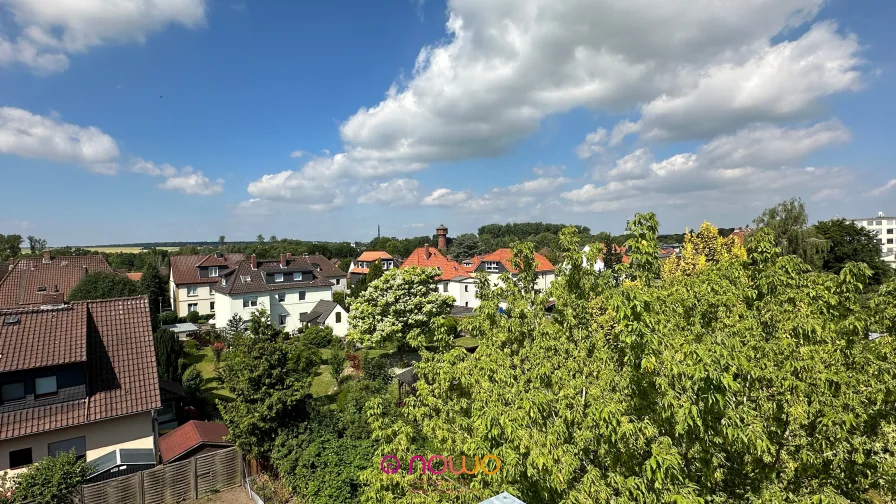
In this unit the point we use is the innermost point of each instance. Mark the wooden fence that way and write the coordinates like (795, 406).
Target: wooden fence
(172, 483)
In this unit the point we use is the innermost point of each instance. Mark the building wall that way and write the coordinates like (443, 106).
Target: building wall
(203, 298)
(339, 283)
(543, 280)
(226, 305)
(885, 228)
(463, 292)
(132, 431)
(339, 328)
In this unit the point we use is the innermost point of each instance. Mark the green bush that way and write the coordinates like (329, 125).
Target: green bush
(168, 318)
(49, 480)
(193, 383)
(191, 346)
(317, 336)
(193, 317)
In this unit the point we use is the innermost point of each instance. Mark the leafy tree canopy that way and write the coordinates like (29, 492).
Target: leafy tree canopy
(10, 246)
(50, 480)
(104, 285)
(465, 246)
(852, 243)
(788, 223)
(748, 381)
(703, 248)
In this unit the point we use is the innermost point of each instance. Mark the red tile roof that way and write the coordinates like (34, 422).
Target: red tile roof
(190, 435)
(505, 256)
(185, 268)
(373, 255)
(447, 267)
(122, 378)
(20, 285)
(43, 337)
(135, 276)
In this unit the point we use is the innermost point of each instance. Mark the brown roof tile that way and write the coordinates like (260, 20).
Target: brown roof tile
(327, 267)
(43, 337)
(254, 279)
(20, 286)
(121, 370)
(449, 269)
(189, 435)
(373, 255)
(184, 268)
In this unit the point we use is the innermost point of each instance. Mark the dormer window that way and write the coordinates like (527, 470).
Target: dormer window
(42, 288)
(278, 277)
(492, 267)
(213, 271)
(223, 282)
(297, 277)
(245, 278)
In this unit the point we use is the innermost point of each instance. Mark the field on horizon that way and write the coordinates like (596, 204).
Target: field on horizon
(133, 250)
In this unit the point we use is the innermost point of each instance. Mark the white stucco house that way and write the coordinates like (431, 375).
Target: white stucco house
(453, 279)
(501, 261)
(192, 279)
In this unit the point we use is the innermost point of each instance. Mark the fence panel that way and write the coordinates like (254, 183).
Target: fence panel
(169, 484)
(219, 470)
(123, 490)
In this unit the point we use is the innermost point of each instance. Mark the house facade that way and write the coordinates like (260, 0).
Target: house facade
(501, 261)
(94, 389)
(288, 288)
(452, 280)
(885, 228)
(329, 270)
(361, 265)
(192, 278)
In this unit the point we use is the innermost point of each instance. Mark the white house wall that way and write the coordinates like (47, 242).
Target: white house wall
(339, 328)
(203, 298)
(226, 306)
(463, 292)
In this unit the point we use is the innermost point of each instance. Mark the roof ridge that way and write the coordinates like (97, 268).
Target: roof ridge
(101, 301)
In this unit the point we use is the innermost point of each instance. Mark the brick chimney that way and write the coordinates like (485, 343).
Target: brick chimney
(442, 232)
(46, 254)
(426, 251)
(254, 262)
(282, 260)
(12, 263)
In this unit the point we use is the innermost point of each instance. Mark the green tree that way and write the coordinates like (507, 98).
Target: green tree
(339, 298)
(236, 325)
(739, 384)
(155, 287)
(272, 239)
(193, 383)
(10, 246)
(221, 240)
(36, 245)
(269, 375)
(51, 480)
(104, 285)
(317, 336)
(612, 256)
(788, 223)
(401, 307)
(852, 243)
(465, 246)
(345, 264)
(259, 238)
(169, 352)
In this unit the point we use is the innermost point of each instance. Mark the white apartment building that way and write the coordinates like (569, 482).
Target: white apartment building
(192, 278)
(290, 289)
(885, 228)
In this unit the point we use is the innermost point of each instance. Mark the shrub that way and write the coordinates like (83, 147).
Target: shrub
(355, 361)
(168, 317)
(193, 382)
(193, 317)
(376, 369)
(318, 336)
(50, 479)
(217, 350)
(191, 346)
(336, 360)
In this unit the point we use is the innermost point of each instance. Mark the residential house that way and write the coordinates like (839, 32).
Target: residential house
(192, 439)
(598, 265)
(46, 280)
(500, 261)
(327, 313)
(885, 229)
(193, 277)
(80, 376)
(361, 265)
(288, 288)
(453, 279)
(328, 269)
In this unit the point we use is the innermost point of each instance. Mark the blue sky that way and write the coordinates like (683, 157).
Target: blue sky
(188, 119)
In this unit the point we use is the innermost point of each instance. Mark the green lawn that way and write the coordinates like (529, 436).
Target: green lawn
(466, 342)
(324, 383)
(204, 360)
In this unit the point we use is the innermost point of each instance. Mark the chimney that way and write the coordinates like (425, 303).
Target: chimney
(84, 271)
(426, 251)
(289, 255)
(282, 260)
(12, 263)
(254, 262)
(219, 255)
(442, 232)
(46, 254)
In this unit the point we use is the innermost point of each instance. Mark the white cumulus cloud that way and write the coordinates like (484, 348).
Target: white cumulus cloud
(185, 180)
(884, 188)
(445, 197)
(400, 191)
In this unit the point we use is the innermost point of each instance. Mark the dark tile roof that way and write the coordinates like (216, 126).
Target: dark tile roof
(320, 313)
(122, 378)
(243, 279)
(20, 285)
(327, 267)
(170, 390)
(43, 337)
(190, 435)
(184, 268)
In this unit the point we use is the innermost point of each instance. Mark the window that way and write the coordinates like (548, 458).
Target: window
(338, 317)
(278, 277)
(338, 281)
(283, 318)
(45, 387)
(467, 303)
(301, 295)
(889, 241)
(891, 222)
(281, 296)
(250, 301)
(211, 307)
(466, 288)
(213, 271)
(79, 444)
(20, 458)
(191, 307)
(890, 231)
(297, 277)
(491, 267)
(192, 290)
(870, 223)
(879, 223)
(13, 392)
(444, 286)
